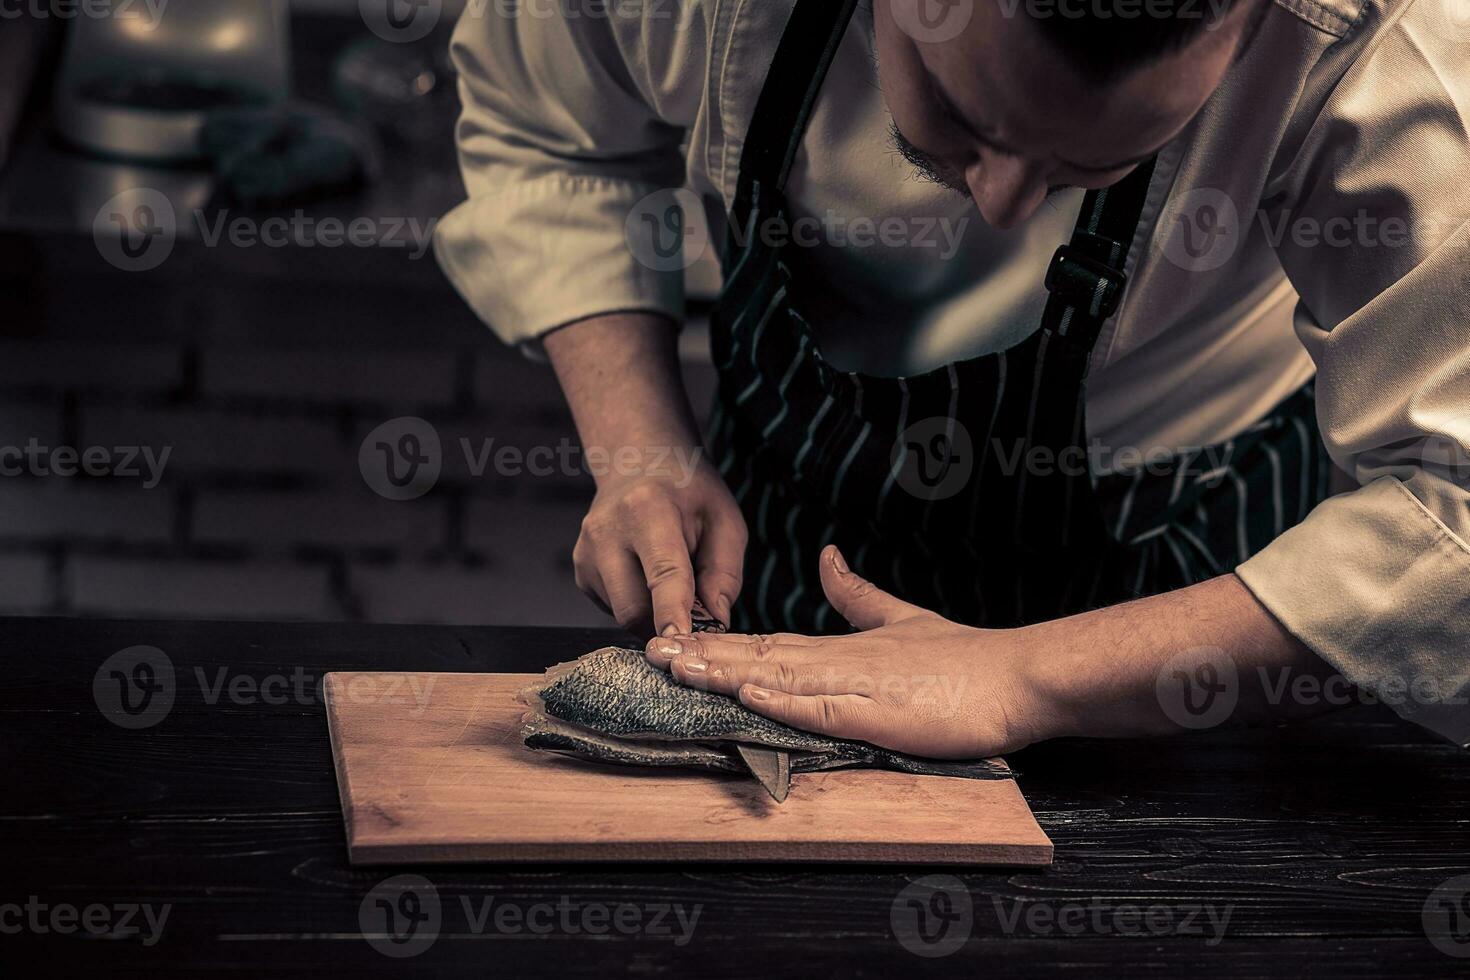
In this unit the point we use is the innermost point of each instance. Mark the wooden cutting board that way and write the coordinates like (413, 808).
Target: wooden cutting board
(431, 769)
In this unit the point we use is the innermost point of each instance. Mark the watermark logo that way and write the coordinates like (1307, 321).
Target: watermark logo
(1446, 917)
(1200, 230)
(933, 459)
(401, 916)
(662, 233)
(1198, 688)
(933, 917)
(134, 688)
(1448, 456)
(401, 459)
(933, 21)
(401, 21)
(136, 230)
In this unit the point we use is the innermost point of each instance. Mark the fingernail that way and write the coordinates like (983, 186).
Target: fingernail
(757, 694)
(694, 665)
(838, 562)
(669, 648)
(671, 630)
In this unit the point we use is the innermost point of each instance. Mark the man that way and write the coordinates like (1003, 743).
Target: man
(1274, 190)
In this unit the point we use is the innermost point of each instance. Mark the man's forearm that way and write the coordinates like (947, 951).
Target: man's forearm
(620, 373)
(1198, 657)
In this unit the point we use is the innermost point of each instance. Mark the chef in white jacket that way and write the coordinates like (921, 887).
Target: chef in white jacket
(1218, 253)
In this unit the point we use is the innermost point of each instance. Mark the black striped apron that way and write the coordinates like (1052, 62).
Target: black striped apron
(966, 490)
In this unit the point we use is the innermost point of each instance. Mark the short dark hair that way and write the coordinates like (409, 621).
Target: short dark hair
(1108, 39)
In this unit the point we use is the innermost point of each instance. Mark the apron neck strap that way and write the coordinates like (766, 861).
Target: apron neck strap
(1086, 278)
(787, 98)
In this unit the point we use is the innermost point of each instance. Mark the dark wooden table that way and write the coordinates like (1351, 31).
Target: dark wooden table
(1304, 852)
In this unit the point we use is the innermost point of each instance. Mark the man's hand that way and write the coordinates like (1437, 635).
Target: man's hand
(665, 530)
(912, 681)
(917, 683)
(650, 545)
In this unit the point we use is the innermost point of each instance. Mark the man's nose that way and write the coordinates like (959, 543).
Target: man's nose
(1007, 189)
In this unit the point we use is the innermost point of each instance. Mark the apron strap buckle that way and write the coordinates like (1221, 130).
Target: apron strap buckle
(1084, 281)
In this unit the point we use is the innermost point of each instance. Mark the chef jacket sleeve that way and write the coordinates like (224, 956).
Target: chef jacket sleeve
(572, 115)
(1373, 214)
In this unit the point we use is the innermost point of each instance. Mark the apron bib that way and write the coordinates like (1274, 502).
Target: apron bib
(965, 490)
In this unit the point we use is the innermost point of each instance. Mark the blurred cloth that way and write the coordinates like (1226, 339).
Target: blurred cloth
(283, 155)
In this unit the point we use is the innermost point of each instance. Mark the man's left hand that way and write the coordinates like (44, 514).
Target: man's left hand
(911, 681)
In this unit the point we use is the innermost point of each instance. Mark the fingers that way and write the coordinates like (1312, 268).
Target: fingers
(726, 647)
(626, 594)
(719, 564)
(849, 716)
(668, 576)
(859, 601)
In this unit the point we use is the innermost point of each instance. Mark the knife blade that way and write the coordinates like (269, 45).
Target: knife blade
(771, 766)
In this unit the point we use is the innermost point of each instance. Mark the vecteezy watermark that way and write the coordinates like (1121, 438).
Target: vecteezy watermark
(301, 230)
(1198, 688)
(137, 230)
(36, 459)
(1202, 229)
(661, 233)
(933, 916)
(134, 688)
(144, 14)
(933, 459)
(1286, 686)
(96, 920)
(1448, 456)
(662, 236)
(1107, 919)
(677, 464)
(932, 21)
(404, 458)
(1212, 11)
(401, 459)
(1446, 917)
(401, 21)
(306, 688)
(403, 916)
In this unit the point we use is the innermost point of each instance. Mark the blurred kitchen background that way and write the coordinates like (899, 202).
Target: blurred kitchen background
(259, 366)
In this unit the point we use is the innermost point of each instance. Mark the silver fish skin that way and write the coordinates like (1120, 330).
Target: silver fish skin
(614, 696)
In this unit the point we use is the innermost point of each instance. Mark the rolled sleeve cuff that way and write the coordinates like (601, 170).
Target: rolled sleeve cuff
(1379, 588)
(551, 252)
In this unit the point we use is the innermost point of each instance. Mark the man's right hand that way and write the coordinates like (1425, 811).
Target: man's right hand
(657, 536)
(651, 544)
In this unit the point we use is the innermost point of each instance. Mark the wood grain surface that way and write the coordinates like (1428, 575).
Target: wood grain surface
(1322, 842)
(431, 769)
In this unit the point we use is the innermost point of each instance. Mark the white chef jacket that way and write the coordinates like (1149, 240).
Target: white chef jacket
(1314, 218)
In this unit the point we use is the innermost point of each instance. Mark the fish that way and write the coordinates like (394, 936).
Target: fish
(613, 706)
